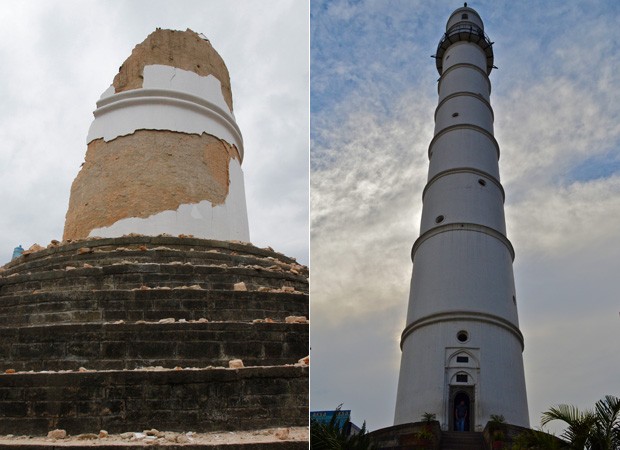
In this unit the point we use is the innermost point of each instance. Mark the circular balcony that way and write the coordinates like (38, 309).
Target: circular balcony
(468, 33)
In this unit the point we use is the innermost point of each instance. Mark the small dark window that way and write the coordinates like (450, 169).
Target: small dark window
(455, 114)
(481, 182)
(462, 336)
(464, 17)
(462, 359)
(514, 299)
(439, 219)
(461, 378)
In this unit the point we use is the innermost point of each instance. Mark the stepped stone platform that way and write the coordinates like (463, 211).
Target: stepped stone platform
(462, 440)
(133, 333)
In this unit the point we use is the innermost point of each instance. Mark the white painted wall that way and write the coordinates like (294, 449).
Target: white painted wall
(464, 147)
(462, 275)
(464, 78)
(498, 390)
(464, 52)
(459, 197)
(470, 110)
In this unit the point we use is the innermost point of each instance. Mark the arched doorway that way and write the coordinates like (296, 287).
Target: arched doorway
(461, 408)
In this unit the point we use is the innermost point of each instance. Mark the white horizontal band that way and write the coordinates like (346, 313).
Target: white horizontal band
(162, 109)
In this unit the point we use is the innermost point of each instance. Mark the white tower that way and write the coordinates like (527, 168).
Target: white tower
(462, 340)
(164, 151)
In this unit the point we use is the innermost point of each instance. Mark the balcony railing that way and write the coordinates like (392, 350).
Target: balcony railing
(464, 32)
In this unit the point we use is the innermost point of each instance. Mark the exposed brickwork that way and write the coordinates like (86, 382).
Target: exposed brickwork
(182, 49)
(145, 173)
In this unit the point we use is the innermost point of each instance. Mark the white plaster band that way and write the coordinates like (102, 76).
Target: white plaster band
(463, 66)
(462, 126)
(473, 227)
(465, 170)
(162, 109)
(465, 94)
(471, 316)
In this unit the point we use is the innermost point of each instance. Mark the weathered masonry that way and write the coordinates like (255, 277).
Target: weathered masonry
(155, 311)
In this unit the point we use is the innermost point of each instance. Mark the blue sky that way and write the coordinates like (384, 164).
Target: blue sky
(557, 121)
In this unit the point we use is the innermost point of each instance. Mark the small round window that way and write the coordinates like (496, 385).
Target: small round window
(439, 219)
(462, 336)
(455, 114)
(481, 182)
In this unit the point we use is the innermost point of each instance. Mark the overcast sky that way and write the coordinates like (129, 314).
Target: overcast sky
(557, 121)
(58, 56)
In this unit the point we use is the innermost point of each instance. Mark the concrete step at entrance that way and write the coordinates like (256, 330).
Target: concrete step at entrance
(465, 440)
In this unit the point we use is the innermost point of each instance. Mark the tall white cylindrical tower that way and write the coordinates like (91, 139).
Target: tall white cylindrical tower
(462, 341)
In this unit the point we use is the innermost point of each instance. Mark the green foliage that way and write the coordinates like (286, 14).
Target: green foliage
(429, 417)
(499, 436)
(536, 440)
(334, 437)
(597, 429)
(497, 418)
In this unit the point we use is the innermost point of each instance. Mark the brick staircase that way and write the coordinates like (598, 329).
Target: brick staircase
(462, 440)
(133, 333)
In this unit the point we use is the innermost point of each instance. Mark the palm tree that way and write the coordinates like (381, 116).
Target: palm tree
(597, 429)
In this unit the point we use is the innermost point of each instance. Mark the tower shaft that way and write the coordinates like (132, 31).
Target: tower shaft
(462, 341)
(164, 151)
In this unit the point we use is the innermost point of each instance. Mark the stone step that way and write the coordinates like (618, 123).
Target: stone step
(134, 276)
(106, 258)
(200, 400)
(117, 346)
(183, 247)
(284, 445)
(73, 306)
(462, 440)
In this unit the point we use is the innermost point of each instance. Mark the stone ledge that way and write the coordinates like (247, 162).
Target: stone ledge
(185, 244)
(68, 306)
(129, 345)
(201, 400)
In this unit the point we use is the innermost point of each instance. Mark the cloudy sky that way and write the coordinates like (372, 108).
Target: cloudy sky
(58, 56)
(557, 109)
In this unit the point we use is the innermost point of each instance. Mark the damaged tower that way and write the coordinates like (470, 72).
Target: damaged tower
(164, 151)
(155, 311)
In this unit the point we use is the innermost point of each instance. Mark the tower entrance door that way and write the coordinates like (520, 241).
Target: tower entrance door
(461, 407)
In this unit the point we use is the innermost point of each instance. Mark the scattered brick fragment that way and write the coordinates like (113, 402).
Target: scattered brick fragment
(235, 364)
(57, 434)
(296, 319)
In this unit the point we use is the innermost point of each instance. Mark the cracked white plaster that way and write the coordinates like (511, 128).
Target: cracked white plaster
(227, 221)
(170, 99)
